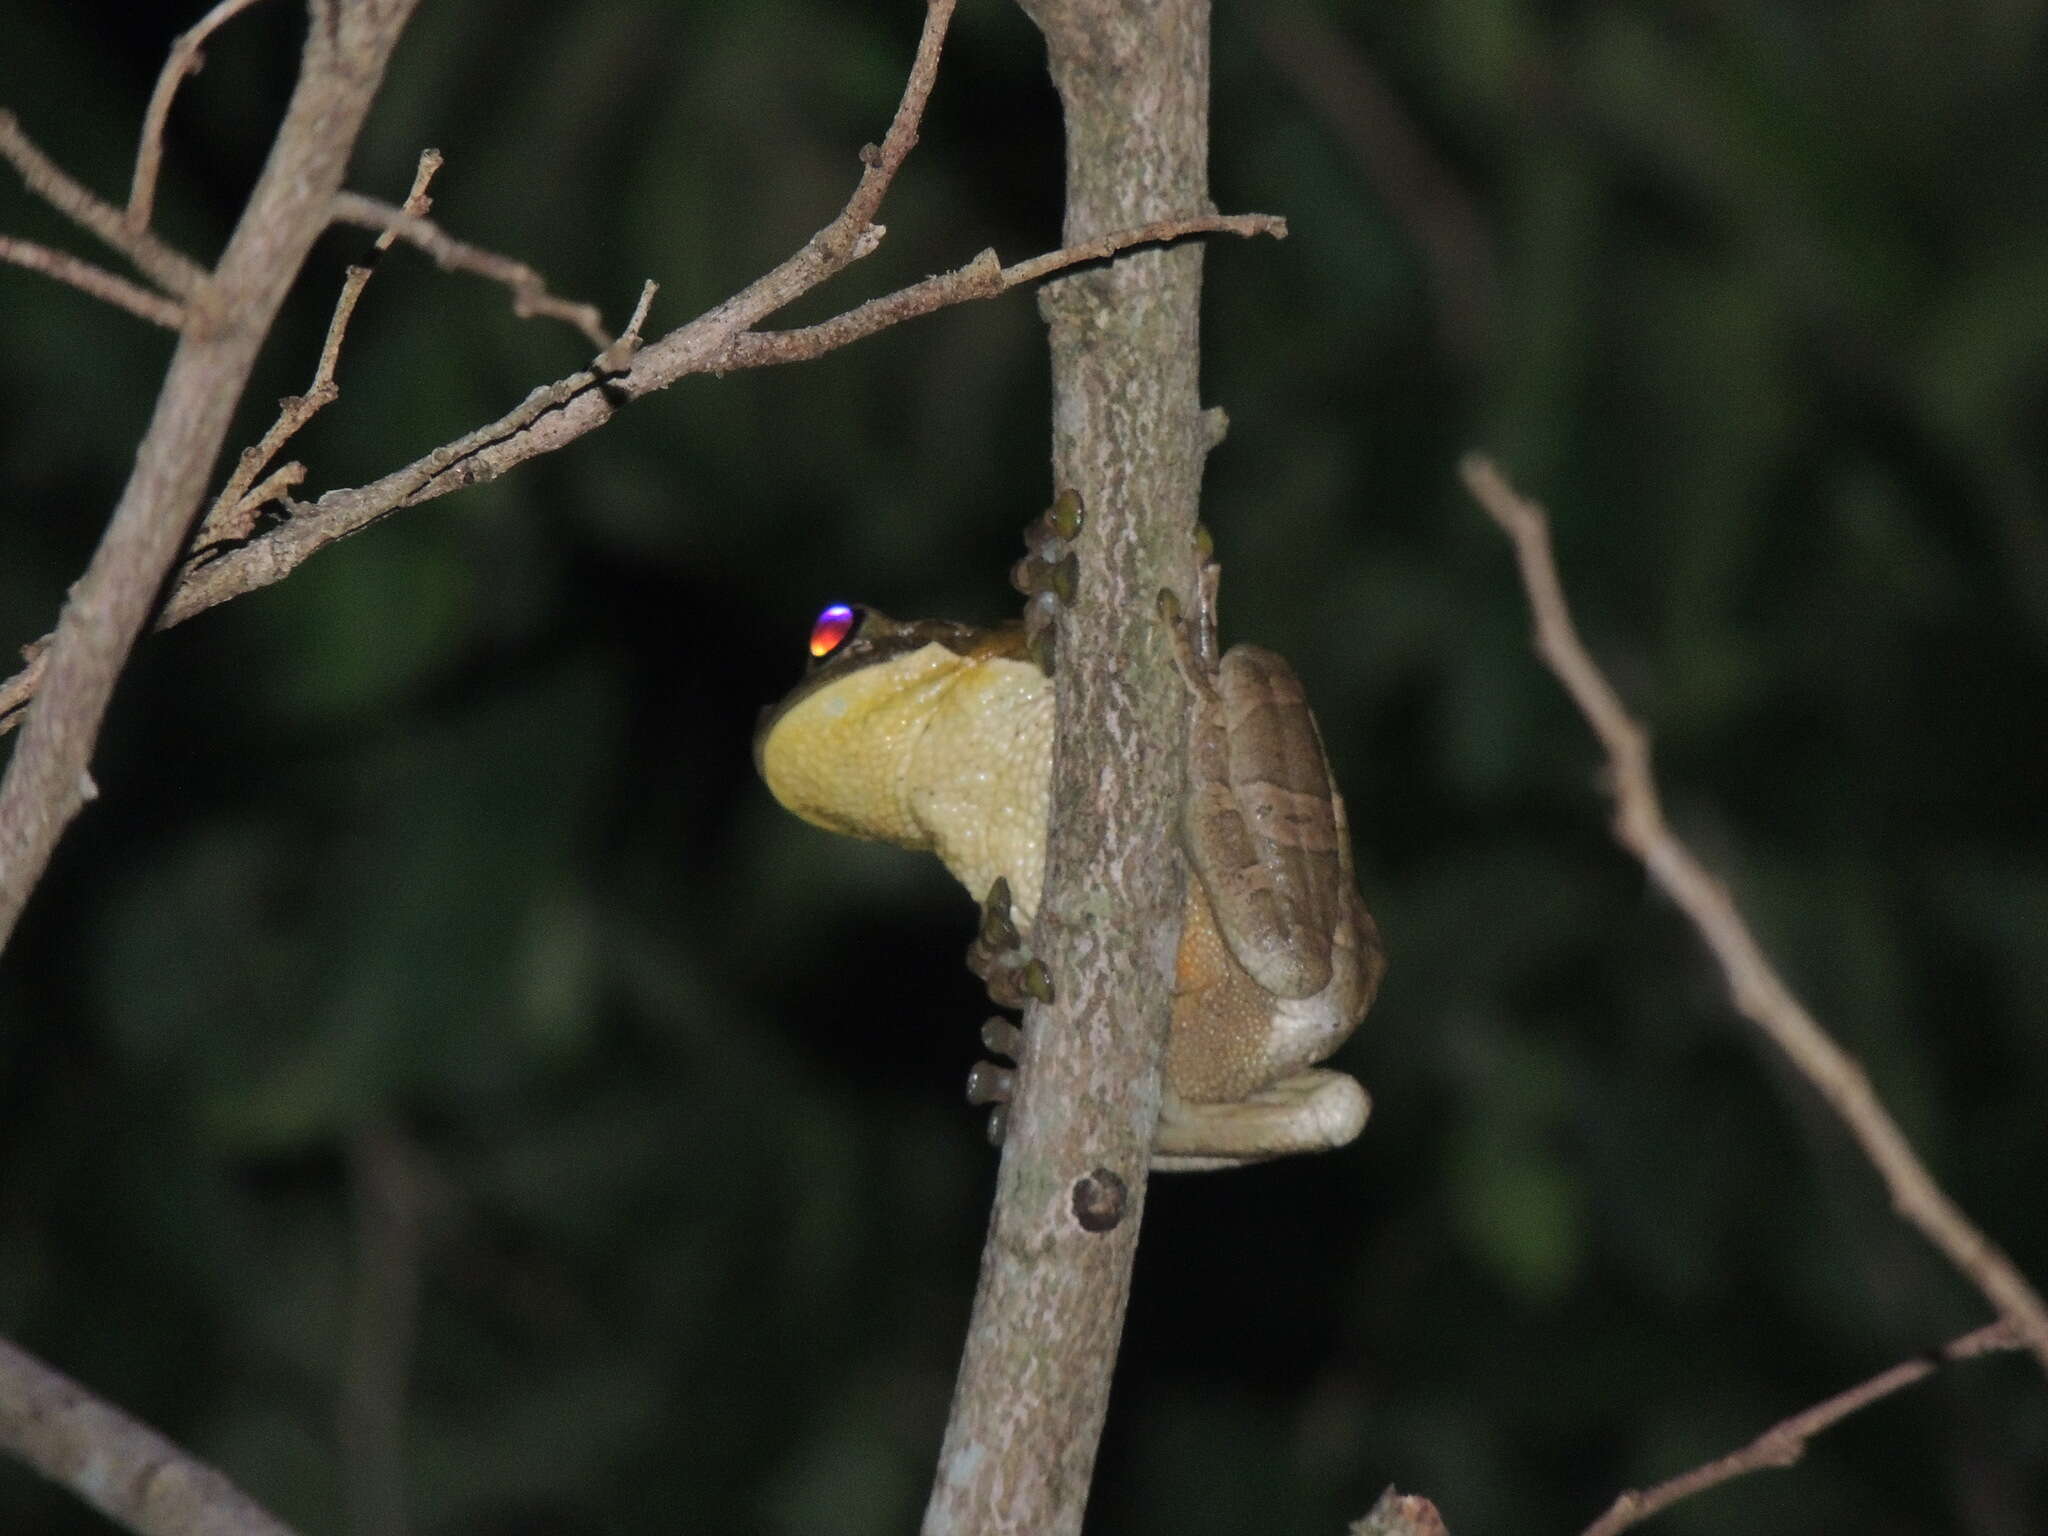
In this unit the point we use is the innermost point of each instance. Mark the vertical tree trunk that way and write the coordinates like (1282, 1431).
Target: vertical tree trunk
(1034, 1385)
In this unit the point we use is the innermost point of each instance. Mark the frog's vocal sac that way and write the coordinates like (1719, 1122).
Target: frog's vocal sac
(935, 735)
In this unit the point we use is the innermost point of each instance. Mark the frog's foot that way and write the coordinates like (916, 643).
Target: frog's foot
(1013, 975)
(990, 1082)
(1049, 575)
(1193, 636)
(999, 958)
(1312, 1111)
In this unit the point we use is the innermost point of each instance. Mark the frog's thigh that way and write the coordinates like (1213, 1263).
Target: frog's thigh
(1311, 1111)
(1218, 1046)
(1263, 834)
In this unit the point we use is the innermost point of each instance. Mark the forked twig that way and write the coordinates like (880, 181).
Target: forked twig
(170, 270)
(1759, 992)
(530, 294)
(234, 510)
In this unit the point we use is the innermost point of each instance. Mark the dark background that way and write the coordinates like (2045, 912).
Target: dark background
(441, 870)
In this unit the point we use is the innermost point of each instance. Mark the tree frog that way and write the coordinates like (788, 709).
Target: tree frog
(936, 735)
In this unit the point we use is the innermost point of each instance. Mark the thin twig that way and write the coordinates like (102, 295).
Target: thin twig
(1758, 990)
(850, 236)
(1785, 1442)
(982, 278)
(621, 353)
(530, 294)
(170, 270)
(97, 281)
(120, 1466)
(886, 160)
(20, 688)
(184, 59)
(234, 510)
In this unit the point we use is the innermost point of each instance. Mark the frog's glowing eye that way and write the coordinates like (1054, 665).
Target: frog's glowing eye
(830, 630)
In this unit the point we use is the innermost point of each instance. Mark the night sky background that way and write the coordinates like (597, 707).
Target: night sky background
(434, 987)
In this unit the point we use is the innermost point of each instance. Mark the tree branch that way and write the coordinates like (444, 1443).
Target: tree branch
(123, 1468)
(530, 294)
(184, 59)
(97, 281)
(982, 278)
(172, 271)
(1033, 1388)
(229, 314)
(1759, 992)
(234, 510)
(556, 414)
(1785, 1442)
(549, 418)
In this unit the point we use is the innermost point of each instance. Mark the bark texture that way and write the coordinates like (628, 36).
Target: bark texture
(1127, 435)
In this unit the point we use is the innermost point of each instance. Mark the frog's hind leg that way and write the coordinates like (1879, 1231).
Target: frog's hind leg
(1311, 1111)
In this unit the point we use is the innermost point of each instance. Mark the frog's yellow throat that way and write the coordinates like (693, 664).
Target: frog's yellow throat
(928, 749)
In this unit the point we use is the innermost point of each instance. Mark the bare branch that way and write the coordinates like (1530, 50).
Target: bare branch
(883, 163)
(556, 414)
(981, 278)
(620, 354)
(530, 294)
(170, 270)
(234, 510)
(97, 281)
(1759, 992)
(1034, 1379)
(121, 1467)
(853, 234)
(1785, 1442)
(47, 780)
(184, 59)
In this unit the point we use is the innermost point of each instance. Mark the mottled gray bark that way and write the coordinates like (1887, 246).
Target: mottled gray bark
(1127, 434)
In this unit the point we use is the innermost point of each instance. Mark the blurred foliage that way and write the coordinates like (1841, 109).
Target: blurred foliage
(451, 844)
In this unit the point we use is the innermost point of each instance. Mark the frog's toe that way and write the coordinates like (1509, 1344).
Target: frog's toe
(989, 1083)
(992, 1084)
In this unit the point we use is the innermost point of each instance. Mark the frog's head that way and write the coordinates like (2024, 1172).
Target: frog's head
(842, 750)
